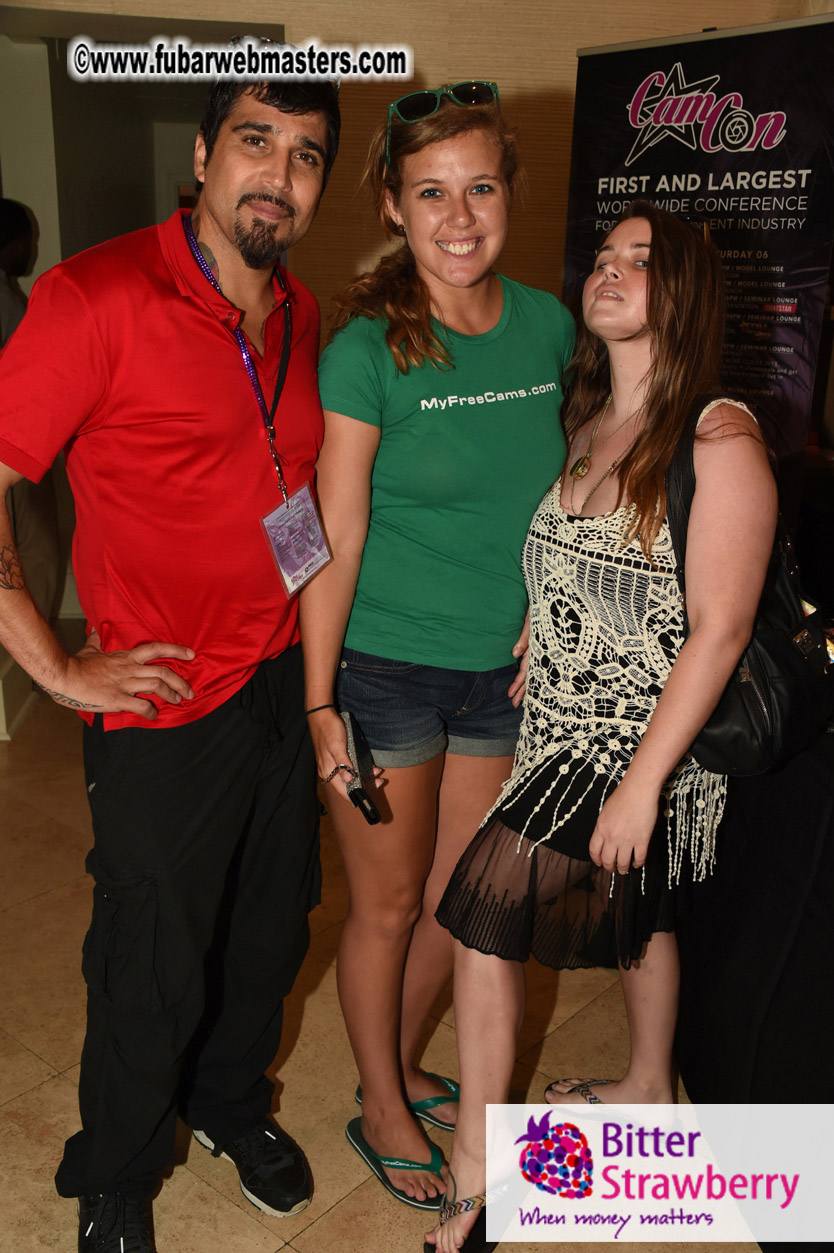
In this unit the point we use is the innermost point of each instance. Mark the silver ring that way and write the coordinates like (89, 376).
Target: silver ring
(336, 770)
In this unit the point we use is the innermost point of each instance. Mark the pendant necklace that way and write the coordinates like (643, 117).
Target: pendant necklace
(582, 465)
(599, 481)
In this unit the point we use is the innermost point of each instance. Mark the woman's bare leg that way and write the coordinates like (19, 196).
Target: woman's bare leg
(386, 867)
(468, 788)
(489, 1005)
(650, 990)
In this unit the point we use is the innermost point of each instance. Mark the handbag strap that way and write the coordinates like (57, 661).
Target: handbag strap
(680, 489)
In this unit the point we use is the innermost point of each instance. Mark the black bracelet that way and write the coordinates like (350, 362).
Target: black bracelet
(317, 708)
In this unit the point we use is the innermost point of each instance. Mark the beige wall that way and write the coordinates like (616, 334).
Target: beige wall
(530, 50)
(27, 147)
(101, 194)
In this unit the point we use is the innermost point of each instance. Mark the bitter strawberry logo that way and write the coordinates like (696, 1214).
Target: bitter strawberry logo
(557, 1159)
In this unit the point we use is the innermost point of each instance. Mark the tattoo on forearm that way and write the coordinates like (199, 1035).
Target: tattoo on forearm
(69, 701)
(11, 571)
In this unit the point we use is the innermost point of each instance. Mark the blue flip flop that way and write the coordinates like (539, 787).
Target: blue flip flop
(353, 1131)
(422, 1108)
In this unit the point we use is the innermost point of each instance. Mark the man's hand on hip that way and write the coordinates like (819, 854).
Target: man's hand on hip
(110, 682)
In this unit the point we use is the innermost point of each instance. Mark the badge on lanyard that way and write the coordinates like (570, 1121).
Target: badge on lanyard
(296, 540)
(293, 530)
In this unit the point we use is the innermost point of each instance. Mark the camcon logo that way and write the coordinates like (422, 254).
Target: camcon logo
(666, 106)
(557, 1159)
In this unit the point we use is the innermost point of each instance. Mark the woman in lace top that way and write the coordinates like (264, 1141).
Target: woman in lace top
(605, 813)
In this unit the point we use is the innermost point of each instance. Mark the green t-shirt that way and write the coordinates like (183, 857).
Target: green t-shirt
(465, 456)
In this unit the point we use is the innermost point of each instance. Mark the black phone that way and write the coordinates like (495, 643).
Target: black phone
(361, 789)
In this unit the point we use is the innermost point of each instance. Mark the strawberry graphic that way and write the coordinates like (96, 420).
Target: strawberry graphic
(557, 1159)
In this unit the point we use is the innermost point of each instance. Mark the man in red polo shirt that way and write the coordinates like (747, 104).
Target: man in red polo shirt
(177, 366)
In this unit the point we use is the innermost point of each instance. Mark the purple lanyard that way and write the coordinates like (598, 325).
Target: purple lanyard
(268, 415)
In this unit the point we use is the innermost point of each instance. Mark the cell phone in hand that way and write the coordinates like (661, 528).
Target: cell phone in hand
(361, 789)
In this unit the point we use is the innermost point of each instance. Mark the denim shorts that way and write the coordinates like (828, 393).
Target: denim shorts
(410, 712)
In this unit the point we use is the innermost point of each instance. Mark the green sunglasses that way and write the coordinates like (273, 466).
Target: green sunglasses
(419, 105)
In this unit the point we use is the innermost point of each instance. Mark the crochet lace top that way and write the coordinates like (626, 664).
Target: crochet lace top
(605, 628)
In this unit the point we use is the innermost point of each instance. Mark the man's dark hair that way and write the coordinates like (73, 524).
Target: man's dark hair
(303, 97)
(15, 222)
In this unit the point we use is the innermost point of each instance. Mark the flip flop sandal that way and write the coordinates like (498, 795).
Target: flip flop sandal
(476, 1241)
(583, 1088)
(377, 1163)
(421, 1108)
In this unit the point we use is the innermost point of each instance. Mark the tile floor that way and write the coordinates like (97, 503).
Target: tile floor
(44, 907)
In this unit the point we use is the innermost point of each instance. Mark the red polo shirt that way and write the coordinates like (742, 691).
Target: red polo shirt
(126, 358)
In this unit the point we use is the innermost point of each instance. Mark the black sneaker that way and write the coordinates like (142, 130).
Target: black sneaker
(111, 1222)
(274, 1174)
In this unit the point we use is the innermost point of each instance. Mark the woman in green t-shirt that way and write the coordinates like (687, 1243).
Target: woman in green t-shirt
(442, 389)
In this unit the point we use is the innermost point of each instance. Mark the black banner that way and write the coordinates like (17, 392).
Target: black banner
(736, 130)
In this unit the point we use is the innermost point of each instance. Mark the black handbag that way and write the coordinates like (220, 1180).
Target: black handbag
(782, 691)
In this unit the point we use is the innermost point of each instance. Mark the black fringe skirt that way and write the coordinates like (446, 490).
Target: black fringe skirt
(511, 897)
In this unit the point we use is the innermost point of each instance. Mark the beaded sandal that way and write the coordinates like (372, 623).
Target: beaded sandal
(476, 1240)
(583, 1087)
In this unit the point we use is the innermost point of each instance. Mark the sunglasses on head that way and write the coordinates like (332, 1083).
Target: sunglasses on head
(419, 105)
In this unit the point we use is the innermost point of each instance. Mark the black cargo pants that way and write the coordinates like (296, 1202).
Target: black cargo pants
(205, 865)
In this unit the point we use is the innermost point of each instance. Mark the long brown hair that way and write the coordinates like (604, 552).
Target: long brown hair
(685, 319)
(394, 289)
